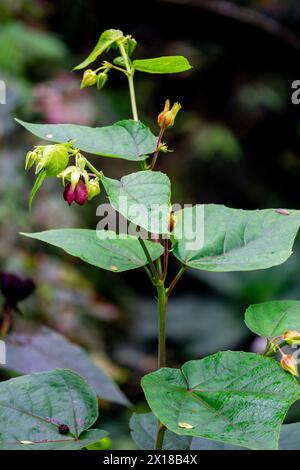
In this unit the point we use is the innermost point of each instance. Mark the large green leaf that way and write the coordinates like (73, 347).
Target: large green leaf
(273, 318)
(101, 248)
(106, 40)
(34, 406)
(143, 429)
(167, 64)
(234, 397)
(234, 239)
(45, 349)
(289, 440)
(143, 198)
(128, 139)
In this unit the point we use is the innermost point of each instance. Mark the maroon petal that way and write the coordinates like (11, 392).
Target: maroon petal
(15, 288)
(81, 193)
(69, 194)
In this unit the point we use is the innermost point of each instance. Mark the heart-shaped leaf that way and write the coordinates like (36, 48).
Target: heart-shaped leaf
(106, 40)
(234, 397)
(167, 64)
(217, 238)
(45, 349)
(102, 248)
(271, 319)
(143, 198)
(143, 429)
(128, 139)
(33, 407)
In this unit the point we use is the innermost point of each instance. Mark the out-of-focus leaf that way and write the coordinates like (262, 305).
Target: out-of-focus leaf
(167, 64)
(34, 406)
(101, 248)
(143, 198)
(45, 350)
(234, 397)
(128, 139)
(217, 140)
(143, 429)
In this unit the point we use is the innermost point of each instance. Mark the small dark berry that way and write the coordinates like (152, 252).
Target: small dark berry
(63, 429)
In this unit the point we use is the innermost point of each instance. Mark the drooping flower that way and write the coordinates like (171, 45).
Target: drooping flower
(79, 194)
(288, 363)
(15, 288)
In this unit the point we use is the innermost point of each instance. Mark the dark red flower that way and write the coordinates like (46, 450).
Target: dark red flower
(79, 195)
(15, 288)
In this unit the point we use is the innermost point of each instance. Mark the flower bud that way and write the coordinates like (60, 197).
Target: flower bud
(291, 337)
(93, 188)
(89, 79)
(30, 160)
(172, 221)
(101, 80)
(79, 194)
(130, 46)
(15, 288)
(167, 117)
(288, 363)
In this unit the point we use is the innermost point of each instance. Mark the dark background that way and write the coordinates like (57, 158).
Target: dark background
(236, 142)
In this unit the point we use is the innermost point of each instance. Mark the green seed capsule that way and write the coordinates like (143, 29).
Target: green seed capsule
(102, 79)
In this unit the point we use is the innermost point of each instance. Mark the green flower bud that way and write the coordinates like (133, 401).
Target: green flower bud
(93, 188)
(101, 80)
(130, 46)
(89, 79)
(30, 160)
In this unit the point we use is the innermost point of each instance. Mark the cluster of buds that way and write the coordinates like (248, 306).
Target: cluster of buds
(167, 117)
(78, 187)
(288, 363)
(53, 159)
(91, 77)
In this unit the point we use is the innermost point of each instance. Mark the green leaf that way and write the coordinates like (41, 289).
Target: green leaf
(289, 440)
(143, 429)
(45, 349)
(101, 248)
(106, 40)
(234, 397)
(32, 408)
(143, 198)
(128, 139)
(38, 183)
(273, 318)
(167, 64)
(234, 239)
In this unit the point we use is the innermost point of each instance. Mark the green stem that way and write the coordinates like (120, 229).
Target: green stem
(175, 280)
(94, 170)
(162, 301)
(160, 437)
(130, 73)
(149, 259)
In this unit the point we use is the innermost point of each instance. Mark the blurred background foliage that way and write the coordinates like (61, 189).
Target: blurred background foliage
(236, 142)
